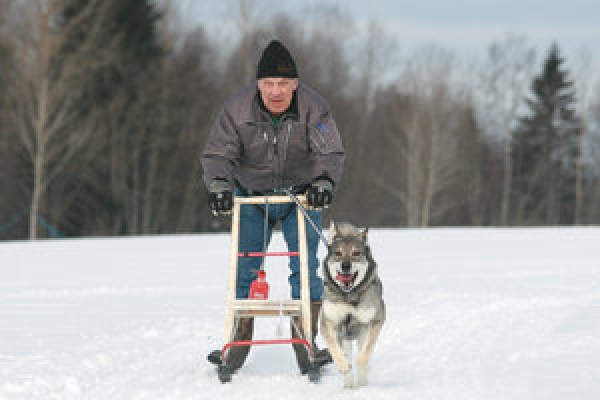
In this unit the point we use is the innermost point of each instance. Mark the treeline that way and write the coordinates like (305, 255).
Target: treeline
(105, 106)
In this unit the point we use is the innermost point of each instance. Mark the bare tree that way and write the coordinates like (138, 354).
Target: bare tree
(252, 39)
(500, 95)
(587, 82)
(45, 111)
(188, 86)
(590, 212)
(431, 142)
(426, 141)
(7, 156)
(371, 63)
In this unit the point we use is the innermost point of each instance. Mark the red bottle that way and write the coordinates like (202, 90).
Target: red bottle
(259, 290)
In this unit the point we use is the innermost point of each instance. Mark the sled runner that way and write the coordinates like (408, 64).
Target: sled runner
(259, 305)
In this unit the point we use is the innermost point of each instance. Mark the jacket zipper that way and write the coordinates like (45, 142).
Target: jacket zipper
(278, 172)
(274, 153)
(287, 142)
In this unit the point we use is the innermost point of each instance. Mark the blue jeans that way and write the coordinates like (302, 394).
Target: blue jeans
(252, 219)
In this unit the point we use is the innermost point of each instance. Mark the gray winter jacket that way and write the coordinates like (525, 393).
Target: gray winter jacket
(245, 145)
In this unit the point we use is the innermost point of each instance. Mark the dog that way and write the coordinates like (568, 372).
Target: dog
(353, 307)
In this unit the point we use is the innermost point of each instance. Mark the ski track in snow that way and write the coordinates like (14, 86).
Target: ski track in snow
(471, 314)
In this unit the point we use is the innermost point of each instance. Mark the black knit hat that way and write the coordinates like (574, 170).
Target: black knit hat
(276, 62)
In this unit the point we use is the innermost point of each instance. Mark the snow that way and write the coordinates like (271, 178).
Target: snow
(471, 314)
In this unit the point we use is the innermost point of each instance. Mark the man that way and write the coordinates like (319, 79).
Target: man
(276, 134)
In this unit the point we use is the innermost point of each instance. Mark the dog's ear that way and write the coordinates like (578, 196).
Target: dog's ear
(363, 235)
(332, 231)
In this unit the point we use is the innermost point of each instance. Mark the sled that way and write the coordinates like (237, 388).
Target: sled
(238, 308)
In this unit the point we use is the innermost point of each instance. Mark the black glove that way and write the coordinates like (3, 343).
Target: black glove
(320, 193)
(220, 198)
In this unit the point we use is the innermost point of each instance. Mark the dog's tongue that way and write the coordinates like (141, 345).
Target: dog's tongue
(345, 278)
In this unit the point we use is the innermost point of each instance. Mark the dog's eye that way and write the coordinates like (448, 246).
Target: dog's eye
(337, 253)
(356, 254)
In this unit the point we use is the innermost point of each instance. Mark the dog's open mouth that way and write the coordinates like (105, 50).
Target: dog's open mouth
(346, 279)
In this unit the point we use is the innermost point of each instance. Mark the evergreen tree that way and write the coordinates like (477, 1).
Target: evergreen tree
(126, 46)
(545, 149)
(122, 39)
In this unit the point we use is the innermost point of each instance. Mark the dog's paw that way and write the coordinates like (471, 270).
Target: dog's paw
(362, 374)
(349, 380)
(362, 379)
(344, 367)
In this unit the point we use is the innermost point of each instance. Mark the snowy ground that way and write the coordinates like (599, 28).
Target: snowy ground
(472, 314)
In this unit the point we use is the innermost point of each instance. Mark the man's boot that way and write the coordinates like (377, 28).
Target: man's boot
(236, 355)
(322, 356)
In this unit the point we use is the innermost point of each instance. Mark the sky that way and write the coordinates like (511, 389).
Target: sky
(465, 26)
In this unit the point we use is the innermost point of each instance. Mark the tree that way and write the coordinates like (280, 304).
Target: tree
(587, 83)
(426, 134)
(120, 97)
(241, 66)
(499, 96)
(8, 159)
(546, 148)
(45, 109)
(190, 96)
(592, 163)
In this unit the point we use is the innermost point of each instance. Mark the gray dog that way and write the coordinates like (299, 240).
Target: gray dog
(353, 308)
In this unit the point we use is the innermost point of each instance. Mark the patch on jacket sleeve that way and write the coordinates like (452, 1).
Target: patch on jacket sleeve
(321, 128)
(324, 137)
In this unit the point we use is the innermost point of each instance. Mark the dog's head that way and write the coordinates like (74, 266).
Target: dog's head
(347, 262)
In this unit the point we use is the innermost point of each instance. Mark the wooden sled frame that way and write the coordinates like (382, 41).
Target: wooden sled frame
(236, 308)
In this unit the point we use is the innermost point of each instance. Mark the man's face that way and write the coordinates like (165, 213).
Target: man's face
(277, 93)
